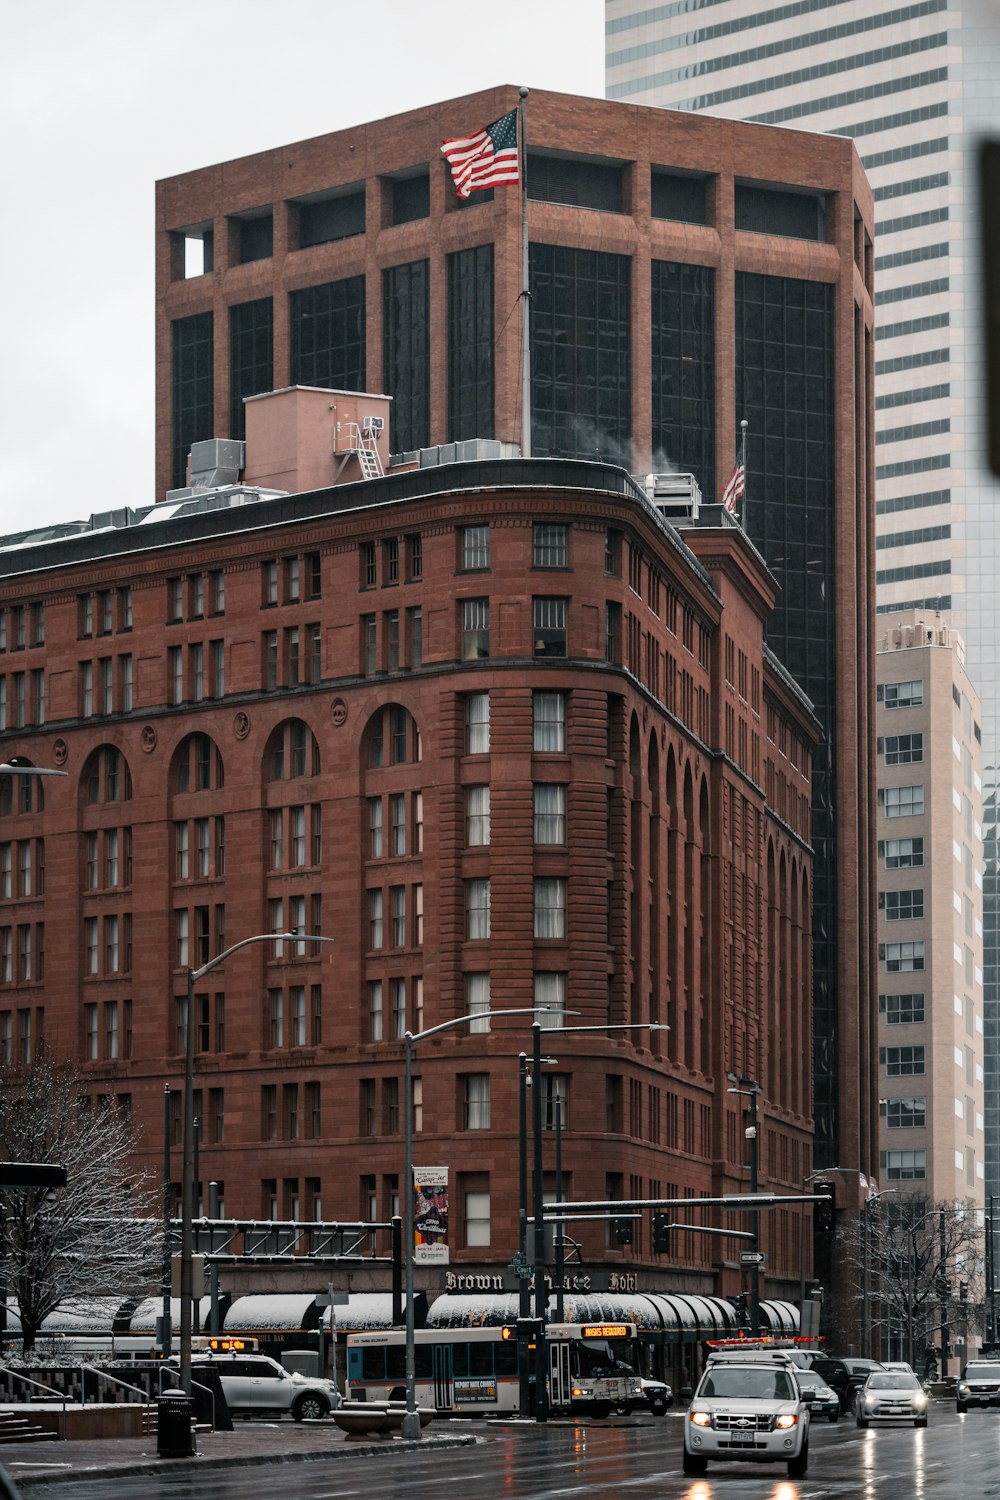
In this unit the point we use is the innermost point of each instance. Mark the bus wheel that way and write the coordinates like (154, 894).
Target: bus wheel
(601, 1409)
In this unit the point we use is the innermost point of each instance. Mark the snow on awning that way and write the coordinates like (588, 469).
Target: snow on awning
(675, 1314)
(278, 1311)
(83, 1315)
(781, 1317)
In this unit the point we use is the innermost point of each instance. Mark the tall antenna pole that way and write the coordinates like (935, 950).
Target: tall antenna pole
(525, 290)
(743, 463)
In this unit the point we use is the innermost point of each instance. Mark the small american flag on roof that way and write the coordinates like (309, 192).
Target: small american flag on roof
(736, 488)
(486, 159)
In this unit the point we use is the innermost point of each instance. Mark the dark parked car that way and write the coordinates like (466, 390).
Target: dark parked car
(821, 1399)
(846, 1376)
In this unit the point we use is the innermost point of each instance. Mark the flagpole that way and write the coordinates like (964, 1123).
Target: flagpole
(743, 462)
(525, 290)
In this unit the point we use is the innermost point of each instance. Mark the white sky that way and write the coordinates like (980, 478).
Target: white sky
(100, 98)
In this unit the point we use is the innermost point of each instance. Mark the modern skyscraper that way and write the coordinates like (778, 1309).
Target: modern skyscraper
(914, 86)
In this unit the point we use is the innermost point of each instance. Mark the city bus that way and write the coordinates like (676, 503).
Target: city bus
(593, 1368)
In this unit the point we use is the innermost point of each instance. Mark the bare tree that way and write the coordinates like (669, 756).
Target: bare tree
(97, 1236)
(911, 1258)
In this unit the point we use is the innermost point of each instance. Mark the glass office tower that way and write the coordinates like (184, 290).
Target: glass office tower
(915, 86)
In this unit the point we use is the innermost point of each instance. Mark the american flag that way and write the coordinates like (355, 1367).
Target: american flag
(486, 159)
(735, 488)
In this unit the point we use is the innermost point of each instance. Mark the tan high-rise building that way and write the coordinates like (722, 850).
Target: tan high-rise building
(930, 924)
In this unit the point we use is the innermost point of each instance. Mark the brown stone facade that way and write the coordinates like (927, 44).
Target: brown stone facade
(281, 717)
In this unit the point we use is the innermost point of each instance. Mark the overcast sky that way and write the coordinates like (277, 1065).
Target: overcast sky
(100, 98)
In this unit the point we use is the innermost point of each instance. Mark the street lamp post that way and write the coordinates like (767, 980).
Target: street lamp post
(749, 1087)
(187, 1174)
(411, 1422)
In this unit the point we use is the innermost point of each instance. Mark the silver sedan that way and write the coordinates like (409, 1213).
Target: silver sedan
(891, 1396)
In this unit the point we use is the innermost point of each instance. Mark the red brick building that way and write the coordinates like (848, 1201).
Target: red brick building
(493, 726)
(686, 273)
(501, 734)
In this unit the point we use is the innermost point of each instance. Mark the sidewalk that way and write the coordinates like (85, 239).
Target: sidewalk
(251, 1443)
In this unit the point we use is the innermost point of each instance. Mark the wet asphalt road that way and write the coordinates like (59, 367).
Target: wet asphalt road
(953, 1458)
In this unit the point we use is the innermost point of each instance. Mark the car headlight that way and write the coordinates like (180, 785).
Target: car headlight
(920, 1398)
(786, 1419)
(963, 1388)
(701, 1418)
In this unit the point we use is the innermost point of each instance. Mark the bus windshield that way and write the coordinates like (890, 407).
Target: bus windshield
(605, 1356)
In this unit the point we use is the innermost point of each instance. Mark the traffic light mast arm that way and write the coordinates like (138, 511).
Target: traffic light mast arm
(728, 1234)
(619, 1208)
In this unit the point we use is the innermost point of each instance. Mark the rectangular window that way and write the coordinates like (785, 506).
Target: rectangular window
(297, 1015)
(477, 724)
(902, 906)
(902, 694)
(218, 668)
(549, 723)
(397, 823)
(476, 1111)
(550, 549)
(369, 644)
(902, 958)
(902, 801)
(397, 1007)
(550, 908)
(555, 1088)
(550, 999)
(375, 1010)
(477, 1219)
(375, 919)
(905, 1114)
(415, 636)
(392, 639)
(549, 627)
(375, 845)
(550, 813)
(903, 749)
(475, 547)
(297, 836)
(902, 854)
(477, 1001)
(477, 815)
(477, 908)
(175, 674)
(475, 629)
(91, 1040)
(901, 1062)
(397, 915)
(905, 1166)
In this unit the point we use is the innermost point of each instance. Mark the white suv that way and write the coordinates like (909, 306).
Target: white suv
(253, 1383)
(747, 1409)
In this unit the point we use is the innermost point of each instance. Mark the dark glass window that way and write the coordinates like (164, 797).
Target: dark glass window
(683, 349)
(251, 356)
(411, 198)
(193, 388)
(676, 196)
(761, 210)
(328, 335)
(785, 390)
(470, 344)
(584, 184)
(254, 239)
(331, 219)
(580, 354)
(406, 353)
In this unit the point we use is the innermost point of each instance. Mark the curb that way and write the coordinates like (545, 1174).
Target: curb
(78, 1473)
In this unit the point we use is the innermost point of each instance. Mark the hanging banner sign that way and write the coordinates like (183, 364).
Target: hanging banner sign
(430, 1216)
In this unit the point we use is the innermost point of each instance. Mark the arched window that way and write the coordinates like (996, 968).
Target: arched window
(391, 738)
(106, 777)
(291, 752)
(197, 765)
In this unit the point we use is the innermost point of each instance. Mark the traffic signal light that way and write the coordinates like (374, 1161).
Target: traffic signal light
(661, 1234)
(963, 1291)
(623, 1231)
(742, 1311)
(824, 1208)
